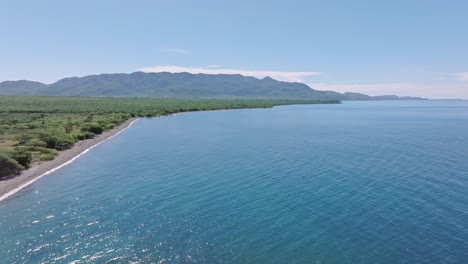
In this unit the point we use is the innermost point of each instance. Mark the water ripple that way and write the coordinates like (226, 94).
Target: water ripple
(355, 183)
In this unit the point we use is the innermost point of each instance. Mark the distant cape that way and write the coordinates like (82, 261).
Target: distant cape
(180, 85)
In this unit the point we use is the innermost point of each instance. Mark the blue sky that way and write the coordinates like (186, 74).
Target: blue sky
(377, 47)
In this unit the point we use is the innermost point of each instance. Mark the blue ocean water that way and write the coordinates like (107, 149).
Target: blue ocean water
(360, 182)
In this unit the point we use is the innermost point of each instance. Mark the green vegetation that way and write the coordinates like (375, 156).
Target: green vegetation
(34, 129)
(181, 85)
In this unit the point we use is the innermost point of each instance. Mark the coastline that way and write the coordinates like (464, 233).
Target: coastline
(36, 171)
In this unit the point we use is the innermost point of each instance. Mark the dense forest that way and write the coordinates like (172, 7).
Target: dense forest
(35, 129)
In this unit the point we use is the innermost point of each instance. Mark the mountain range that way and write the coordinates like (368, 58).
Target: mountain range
(180, 85)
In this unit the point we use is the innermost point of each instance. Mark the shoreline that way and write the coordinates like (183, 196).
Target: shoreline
(27, 177)
(36, 171)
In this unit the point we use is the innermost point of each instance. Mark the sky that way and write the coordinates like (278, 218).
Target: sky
(408, 48)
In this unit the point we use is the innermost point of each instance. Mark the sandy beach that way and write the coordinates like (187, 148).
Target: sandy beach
(39, 170)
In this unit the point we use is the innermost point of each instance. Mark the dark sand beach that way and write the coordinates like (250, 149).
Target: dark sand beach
(38, 170)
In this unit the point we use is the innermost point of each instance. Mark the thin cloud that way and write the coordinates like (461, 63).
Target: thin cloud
(174, 50)
(463, 76)
(287, 76)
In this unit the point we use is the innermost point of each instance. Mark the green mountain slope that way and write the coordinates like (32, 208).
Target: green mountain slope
(176, 85)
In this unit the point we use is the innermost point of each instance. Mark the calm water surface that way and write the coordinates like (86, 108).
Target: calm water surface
(361, 182)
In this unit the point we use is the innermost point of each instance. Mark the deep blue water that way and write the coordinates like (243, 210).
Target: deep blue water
(361, 182)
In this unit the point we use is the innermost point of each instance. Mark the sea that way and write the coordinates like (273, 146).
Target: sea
(357, 182)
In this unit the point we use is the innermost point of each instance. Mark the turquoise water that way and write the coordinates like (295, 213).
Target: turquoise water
(361, 182)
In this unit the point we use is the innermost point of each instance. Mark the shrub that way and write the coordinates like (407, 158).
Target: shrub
(23, 138)
(85, 127)
(86, 135)
(36, 143)
(50, 141)
(89, 135)
(96, 129)
(89, 118)
(46, 156)
(102, 123)
(46, 151)
(64, 143)
(22, 156)
(68, 127)
(8, 166)
(59, 142)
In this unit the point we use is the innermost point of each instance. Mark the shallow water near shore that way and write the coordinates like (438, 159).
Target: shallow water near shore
(360, 182)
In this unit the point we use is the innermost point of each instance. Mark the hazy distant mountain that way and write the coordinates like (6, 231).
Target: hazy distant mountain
(20, 87)
(181, 85)
(360, 96)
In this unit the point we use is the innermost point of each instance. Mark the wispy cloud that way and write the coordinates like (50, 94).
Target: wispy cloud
(175, 50)
(214, 66)
(289, 76)
(463, 76)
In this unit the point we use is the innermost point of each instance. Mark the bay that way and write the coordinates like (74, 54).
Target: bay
(359, 182)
